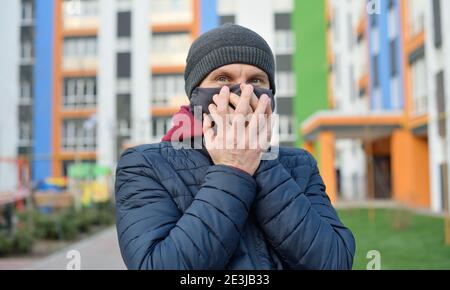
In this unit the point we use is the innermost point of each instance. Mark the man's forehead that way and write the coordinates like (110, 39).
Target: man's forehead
(239, 68)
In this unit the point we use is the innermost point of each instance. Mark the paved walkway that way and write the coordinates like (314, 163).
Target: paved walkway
(99, 252)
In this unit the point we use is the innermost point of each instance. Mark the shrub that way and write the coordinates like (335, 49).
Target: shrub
(6, 244)
(106, 217)
(68, 227)
(22, 242)
(45, 226)
(86, 218)
(66, 224)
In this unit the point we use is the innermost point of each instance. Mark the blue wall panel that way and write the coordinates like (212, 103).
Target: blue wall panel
(384, 58)
(208, 15)
(43, 74)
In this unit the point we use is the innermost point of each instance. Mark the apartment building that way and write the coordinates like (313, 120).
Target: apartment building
(347, 42)
(375, 129)
(16, 83)
(437, 56)
(116, 77)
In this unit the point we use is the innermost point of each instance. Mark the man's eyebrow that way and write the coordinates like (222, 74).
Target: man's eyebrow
(220, 72)
(259, 75)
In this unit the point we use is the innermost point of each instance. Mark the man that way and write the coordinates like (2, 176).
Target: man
(222, 207)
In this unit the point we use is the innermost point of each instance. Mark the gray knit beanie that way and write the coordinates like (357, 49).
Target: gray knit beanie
(224, 45)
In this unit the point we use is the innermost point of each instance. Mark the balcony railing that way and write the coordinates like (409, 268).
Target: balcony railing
(80, 102)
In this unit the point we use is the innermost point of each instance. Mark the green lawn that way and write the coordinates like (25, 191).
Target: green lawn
(405, 240)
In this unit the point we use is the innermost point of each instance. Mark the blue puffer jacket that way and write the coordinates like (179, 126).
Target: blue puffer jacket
(177, 210)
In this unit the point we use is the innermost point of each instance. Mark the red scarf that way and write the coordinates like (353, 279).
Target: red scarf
(181, 129)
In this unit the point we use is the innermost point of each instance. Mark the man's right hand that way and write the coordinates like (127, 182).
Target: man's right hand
(237, 143)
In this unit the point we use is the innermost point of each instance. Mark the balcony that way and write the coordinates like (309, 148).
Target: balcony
(26, 53)
(79, 136)
(175, 11)
(420, 105)
(86, 66)
(80, 17)
(169, 49)
(284, 42)
(80, 94)
(26, 22)
(168, 59)
(80, 54)
(173, 101)
(77, 102)
(417, 26)
(26, 18)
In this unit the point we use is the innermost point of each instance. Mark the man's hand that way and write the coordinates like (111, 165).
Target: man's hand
(239, 141)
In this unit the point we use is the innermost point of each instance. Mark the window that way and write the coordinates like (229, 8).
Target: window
(79, 135)
(337, 71)
(419, 86)
(169, 48)
(395, 93)
(437, 23)
(443, 170)
(362, 59)
(283, 21)
(440, 96)
(166, 86)
(124, 65)
(391, 4)
(351, 82)
(335, 24)
(284, 62)
(375, 71)
(226, 7)
(80, 93)
(89, 8)
(227, 19)
(374, 20)
(81, 8)
(281, 6)
(26, 51)
(166, 11)
(285, 83)
(80, 47)
(27, 11)
(170, 42)
(284, 41)
(25, 131)
(416, 16)
(393, 57)
(160, 126)
(25, 93)
(123, 110)
(124, 24)
(284, 106)
(350, 28)
(286, 128)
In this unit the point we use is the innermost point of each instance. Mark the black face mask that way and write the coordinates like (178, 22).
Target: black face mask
(203, 97)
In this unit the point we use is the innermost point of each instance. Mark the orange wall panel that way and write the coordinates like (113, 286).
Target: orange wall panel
(410, 169)
(57, 90)
(327, 167)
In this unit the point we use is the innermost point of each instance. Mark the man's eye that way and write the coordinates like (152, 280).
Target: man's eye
(222, 79)
(255, 81)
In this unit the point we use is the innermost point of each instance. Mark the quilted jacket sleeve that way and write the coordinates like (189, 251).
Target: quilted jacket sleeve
(154, 234)
(301, 225)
